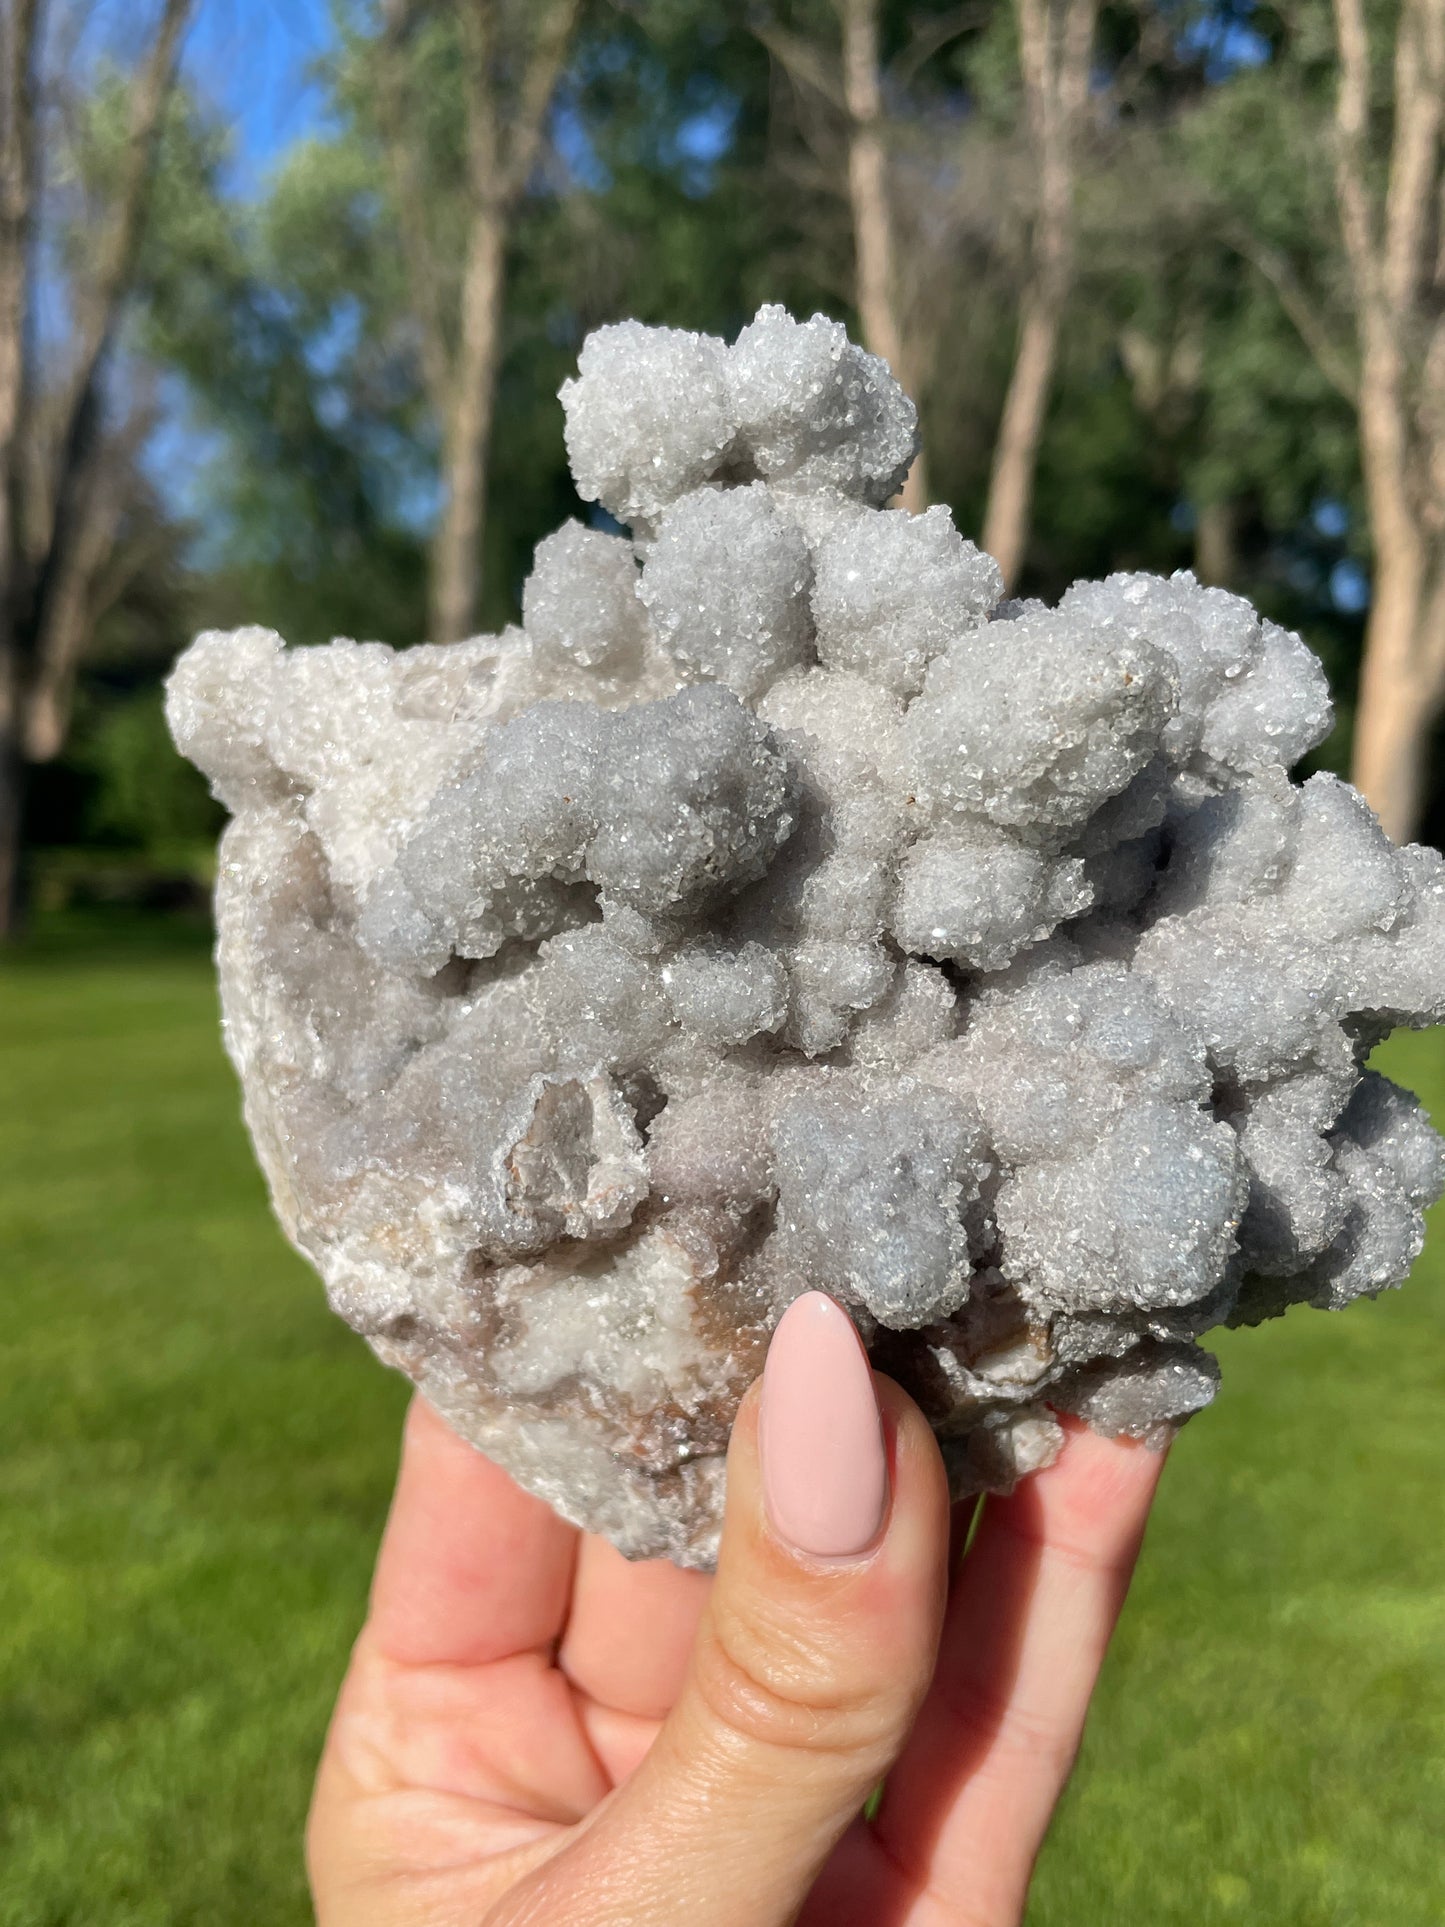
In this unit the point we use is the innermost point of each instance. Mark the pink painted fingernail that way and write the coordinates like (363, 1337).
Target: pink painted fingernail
(825, 1468)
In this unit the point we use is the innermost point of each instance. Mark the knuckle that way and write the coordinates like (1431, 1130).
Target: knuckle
(1104, 1564)
(988, 1725)
(778, 1686)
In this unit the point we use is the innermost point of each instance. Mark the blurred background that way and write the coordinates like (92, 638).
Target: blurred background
(287, 289)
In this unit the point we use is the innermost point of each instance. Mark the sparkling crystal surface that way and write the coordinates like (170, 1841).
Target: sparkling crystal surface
(780, 908)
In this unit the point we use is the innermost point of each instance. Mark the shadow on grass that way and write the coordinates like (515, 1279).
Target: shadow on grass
(93, 936)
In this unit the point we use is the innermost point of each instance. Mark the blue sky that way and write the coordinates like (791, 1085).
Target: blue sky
(251, 59)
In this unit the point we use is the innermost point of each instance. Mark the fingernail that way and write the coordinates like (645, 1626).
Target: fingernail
(825, 1468)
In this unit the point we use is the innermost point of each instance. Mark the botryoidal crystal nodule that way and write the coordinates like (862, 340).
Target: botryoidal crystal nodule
(779, 908)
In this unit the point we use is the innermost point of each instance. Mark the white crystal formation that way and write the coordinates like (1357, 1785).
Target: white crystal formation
(779, 908)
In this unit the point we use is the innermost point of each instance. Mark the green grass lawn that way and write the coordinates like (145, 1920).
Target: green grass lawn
(194, 1462)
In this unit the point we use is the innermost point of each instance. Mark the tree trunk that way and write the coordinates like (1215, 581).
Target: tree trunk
(1015, 457)
(457, 557)
(1395, 709)
(67, 618)
(18, 164)
(1397, 704)
(61, 645)
(398, 114)
(1056, 41)
(873, 252)
(46, 572)
(1392, 736)
(98, 306)
(500, 156)
(1215, 561)
(1389, 246)
(19, 38)
(12, 796)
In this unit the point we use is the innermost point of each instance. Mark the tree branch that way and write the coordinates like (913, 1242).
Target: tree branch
(71, 610)
(500, 156)
(550, 42)
(931, 37)
(1056, 40)
(1419, 107)
(868, 183)
(100, 310)
(1352, 123)
(1034, 45)
(875, 279)
(18, 166)
(1384, 427)
(21, 48)
(801, 61)
(478, 23)
(820, 125)
(116, 252)
(1075, 54)
(403, 164)
(1272, 266)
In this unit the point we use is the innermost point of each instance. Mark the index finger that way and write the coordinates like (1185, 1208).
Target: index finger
(1029, 1621)
(472, 1568)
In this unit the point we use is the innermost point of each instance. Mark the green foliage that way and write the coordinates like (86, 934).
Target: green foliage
(306, 361)
(252, 307)
(289, 318)
(686, 180)
(194, 1462)
(146, 796)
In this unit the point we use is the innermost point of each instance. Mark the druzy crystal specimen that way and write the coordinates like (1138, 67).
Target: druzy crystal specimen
(781, 908)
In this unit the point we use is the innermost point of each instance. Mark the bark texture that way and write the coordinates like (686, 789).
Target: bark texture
(1216, 562)
(1395, 250)
(875, 269)
(20, 26)
(855, 107)
(61, 463)
(1056, 39)
(511, 58)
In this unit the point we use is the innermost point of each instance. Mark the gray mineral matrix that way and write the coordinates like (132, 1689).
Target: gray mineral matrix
(781, 908)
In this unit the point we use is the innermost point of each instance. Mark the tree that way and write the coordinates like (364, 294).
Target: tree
(1055, 47)
(285, 315)
(1393, 225)
(292, 316)
(1329, 161)
(684, 172)
(510, 58)
(1246, 436)
(63, 457)
(838, 64)
(875, 275)
(952, 157)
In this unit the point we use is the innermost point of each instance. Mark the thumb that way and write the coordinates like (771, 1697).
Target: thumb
(814, 1653)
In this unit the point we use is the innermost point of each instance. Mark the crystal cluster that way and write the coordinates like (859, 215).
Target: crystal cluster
(779, 907)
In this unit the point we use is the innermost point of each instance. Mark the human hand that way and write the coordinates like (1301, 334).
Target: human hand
(532, 1730)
